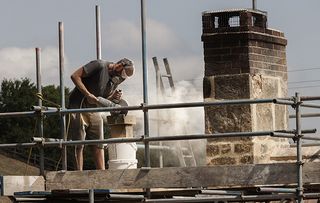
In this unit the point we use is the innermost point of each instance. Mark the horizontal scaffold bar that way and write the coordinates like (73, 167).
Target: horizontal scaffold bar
(51, 142)
(54, 111)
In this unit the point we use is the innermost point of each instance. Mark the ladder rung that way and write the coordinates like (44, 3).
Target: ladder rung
(167, 76)
(187, 156)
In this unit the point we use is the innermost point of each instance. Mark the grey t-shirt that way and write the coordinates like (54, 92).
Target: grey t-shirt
(97, 80)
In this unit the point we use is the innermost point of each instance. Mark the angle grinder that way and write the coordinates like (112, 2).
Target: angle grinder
(114, 103)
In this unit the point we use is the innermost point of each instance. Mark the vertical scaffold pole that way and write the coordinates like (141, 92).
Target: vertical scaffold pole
(145, 87)
(98, 32)
(254, 4)
(40, 123)
(91, 195)
(145, 80)
(299, 148)
(62, 93)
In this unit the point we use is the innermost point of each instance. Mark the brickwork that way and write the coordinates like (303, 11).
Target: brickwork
(248, 48)
(243, 59)
(237, 53)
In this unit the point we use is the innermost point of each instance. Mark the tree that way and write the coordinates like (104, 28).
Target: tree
(19, 96)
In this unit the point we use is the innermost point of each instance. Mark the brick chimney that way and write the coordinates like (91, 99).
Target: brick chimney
(243, 60)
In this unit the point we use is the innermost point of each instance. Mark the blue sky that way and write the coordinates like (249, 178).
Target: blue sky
(173, 31)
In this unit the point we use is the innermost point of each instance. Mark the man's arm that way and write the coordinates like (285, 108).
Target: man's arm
(76, 78)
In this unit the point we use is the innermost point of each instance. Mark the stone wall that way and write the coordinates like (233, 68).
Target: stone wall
(247, 61)
(244, 118)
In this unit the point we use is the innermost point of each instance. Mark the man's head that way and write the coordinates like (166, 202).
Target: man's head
(121, 70)
(127, 67)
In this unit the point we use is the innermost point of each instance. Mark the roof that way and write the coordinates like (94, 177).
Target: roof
(236, 10)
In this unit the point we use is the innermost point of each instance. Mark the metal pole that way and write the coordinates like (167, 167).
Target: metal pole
(40, 123)
(62, 93)
(221, 192)
(305, 131)
(299, 149)
(91, 195)
(54, 111)
(50, 142)
(277, 190)
(307, 115)
(206, 136)
(145, 88)
(16, 145)
(98, 32)
(124, 197)
(311, 105)
(309, 98)
(243, 198)
(307, 145)
(145, 80)
(254, 4)
(156, 147)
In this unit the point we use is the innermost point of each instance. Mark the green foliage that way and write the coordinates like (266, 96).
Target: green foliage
(52, 123)
(20, 96)
(17, 96)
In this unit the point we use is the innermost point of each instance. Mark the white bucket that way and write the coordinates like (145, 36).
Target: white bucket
(122, 151)
(123, 164)
(122, 155)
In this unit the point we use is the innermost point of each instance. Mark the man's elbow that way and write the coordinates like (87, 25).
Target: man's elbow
(72, 77)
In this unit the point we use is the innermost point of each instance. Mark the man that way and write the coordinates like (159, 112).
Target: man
(98, 78)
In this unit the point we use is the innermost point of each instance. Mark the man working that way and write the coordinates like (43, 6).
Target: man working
(98, 78)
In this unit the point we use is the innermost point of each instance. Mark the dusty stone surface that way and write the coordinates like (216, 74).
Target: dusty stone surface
(5, 199)
(16, 167)
(212, 150)
(241, 118)
(223, 161)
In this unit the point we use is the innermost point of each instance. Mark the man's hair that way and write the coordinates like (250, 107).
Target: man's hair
(128, 67)
(125, 62)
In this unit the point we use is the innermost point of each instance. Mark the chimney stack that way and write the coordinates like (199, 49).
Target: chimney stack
(243, 60)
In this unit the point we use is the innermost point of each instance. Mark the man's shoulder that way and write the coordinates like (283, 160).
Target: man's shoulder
(94, 65)
(99, 61)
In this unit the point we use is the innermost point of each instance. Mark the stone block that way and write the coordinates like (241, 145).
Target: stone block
(243, 148)
(248, 159)
(228, 118)
(206, 87)
(12, 184)
(225, 148)
(121, 125)
(117, 131)
(264, 117)
(232, 86)
(281, 118)
(212, 150)
(223, 161)
(121, 119)
(6, 200)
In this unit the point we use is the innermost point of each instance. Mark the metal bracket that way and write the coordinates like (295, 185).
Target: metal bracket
(300, 163)
(143, 107)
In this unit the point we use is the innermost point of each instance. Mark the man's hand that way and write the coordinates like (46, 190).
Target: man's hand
(117, 94)
(92, 99)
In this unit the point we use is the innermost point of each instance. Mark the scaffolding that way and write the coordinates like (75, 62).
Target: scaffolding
(199, 194)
